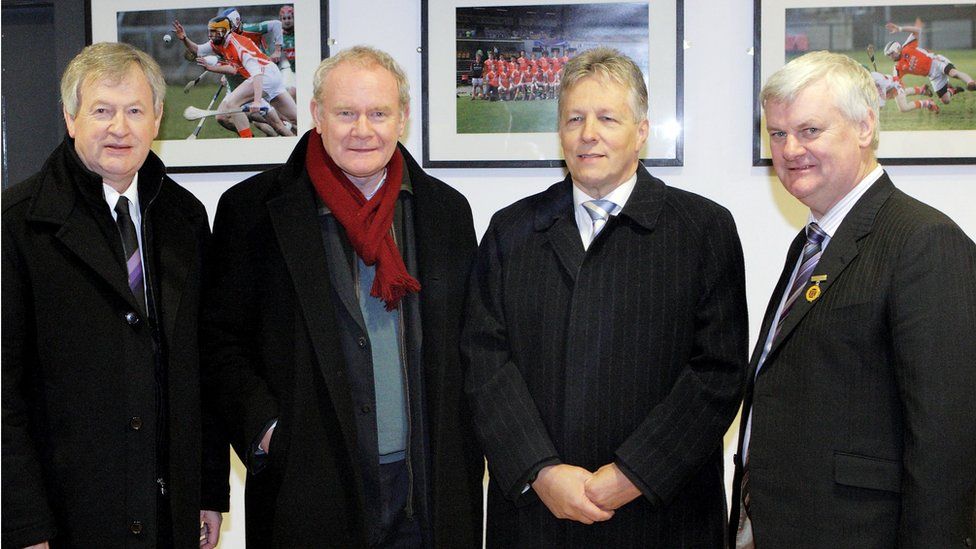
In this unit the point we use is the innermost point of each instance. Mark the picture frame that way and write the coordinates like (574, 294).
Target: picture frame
(181, 144)
(522, 132)
(920, 136)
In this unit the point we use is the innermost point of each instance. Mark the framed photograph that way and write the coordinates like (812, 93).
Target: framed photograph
(205, 125)
(491, 72)
(928, 116)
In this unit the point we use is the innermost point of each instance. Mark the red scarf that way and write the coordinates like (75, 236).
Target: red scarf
(367, 222)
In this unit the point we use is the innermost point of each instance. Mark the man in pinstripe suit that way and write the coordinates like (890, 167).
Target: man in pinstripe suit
(858, 427)
(605, 340)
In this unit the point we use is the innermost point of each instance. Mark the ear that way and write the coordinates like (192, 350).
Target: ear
(643, 129)
(159, 119)
(403, 120)
(315, 110)
(69, 122)
(865, 129)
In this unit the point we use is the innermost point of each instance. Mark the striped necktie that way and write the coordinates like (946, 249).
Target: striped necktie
(130, 247)
(600, 211)
(811, 255)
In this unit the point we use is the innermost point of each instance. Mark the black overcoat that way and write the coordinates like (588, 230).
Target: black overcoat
(632, 351)
(80, 362)
(863, 409)
(274, 351)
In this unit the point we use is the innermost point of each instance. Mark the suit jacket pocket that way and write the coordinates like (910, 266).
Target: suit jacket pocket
(867, 472)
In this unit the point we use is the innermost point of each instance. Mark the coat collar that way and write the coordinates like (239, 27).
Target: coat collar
(842, 249)
(70, 197)
(554, 216)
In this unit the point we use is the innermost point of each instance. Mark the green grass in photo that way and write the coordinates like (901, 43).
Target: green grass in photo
(480, 116)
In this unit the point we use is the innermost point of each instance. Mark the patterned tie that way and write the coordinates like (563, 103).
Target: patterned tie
(600, 211)
(130, 247)
(811, 255)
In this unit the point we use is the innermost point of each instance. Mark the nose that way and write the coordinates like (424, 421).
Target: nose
(588, 131)
(119, 124)
(361, 127)
(792, 148)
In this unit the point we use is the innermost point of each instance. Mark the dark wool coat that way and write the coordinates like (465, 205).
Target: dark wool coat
(863, 427)
(273, 350)
(631, 352)
(81, 364)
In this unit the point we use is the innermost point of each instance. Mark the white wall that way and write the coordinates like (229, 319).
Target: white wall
(718, 145)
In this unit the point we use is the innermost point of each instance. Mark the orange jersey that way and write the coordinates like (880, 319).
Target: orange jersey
(550, 76)
(241, 53)
(913, 60)
(489, 65)
(492, 78)
(504, 80)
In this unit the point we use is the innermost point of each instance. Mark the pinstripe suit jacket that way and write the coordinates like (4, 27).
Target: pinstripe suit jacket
(632, 351)
(863, 431)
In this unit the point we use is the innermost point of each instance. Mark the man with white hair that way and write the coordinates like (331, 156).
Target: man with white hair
(857, 427)
(102, 254)
(332, 320)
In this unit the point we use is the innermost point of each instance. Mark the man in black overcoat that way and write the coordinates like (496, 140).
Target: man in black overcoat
(857, 427)
(333, 313)
(102, 256)
(605, 340)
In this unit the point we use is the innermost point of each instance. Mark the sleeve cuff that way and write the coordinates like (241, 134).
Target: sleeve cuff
(638, 482)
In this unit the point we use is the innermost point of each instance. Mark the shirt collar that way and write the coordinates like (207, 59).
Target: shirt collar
(618, 196)
(832, 219)
(132, 193)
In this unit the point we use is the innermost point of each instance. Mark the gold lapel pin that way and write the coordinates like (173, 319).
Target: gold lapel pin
(813, 292)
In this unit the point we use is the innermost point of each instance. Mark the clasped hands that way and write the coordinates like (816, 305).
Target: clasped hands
(573, 493)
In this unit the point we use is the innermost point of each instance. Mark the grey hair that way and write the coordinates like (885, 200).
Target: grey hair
(851, 85)
(109, 61)
(362, 56)
(608, 64)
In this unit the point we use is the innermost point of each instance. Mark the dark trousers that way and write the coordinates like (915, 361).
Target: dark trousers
(398, 531)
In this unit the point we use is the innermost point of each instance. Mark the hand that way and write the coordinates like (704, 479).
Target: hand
(210, 528)
(179, 30)
(255, 108)
(276, 54)
(561, 488)
(892, 28)
(870, 49)
(42, 545)
(610, 489)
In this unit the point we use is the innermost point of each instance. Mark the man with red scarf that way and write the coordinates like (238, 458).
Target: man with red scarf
(335, 295)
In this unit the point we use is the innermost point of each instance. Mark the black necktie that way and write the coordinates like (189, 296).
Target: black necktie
(130, 247)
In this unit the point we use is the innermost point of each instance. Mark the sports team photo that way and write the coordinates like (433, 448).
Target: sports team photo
(510, 58)
(230, 71)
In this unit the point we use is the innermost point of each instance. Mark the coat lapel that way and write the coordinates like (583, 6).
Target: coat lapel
(170, 238)
(554, 217)
(58, 203)
(841, 250)
(293, 216)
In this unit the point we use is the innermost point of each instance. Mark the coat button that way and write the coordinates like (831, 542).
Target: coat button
(136, 527)
(132, 318)
(365, 409)
(135, 423)
(969, 542)
(362, 342)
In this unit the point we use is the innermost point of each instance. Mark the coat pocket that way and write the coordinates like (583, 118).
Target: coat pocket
(867, 472)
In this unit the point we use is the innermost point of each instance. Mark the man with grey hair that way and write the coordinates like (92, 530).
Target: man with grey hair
(605, 340)
(102, 257)
(333, 312)
(858, 426)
